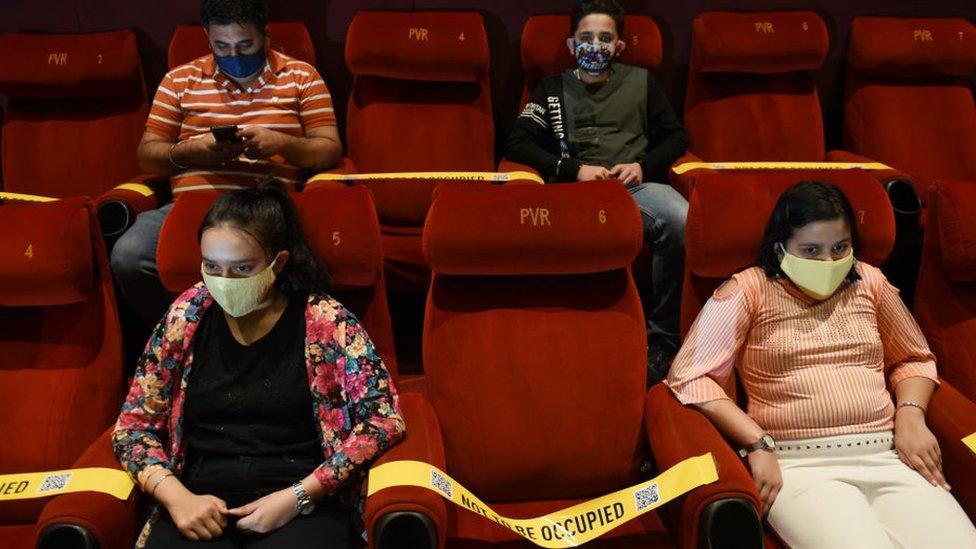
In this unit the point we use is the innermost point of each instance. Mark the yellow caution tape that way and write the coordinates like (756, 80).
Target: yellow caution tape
(571, 526)
(497, 177)
(144, 190)
(688, 166)
(41, 485)
(26, 197)
(971, 442)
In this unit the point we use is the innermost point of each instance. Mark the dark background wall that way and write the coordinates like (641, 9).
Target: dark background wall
(154, 21)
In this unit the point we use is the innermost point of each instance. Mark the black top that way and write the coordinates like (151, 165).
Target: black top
(543, 134)
(250, 400)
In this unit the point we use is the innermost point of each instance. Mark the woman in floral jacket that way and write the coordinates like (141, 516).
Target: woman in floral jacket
(259, 399)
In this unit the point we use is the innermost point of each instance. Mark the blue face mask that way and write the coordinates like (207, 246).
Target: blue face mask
(593, 59)
(241, 66)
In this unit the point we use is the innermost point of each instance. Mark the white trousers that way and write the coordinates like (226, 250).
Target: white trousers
(853, 491)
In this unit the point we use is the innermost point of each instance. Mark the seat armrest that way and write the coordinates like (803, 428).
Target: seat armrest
(407, 516)
(952, 417)
(719, 514)
(82, 518)
(905, 198)
(118, 208)
(684, 183)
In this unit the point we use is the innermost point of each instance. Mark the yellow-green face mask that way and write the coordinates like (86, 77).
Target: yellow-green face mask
(818, 279)
(240, 296)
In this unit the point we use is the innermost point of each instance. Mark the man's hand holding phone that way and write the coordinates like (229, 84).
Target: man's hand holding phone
(261, 142)
(214, 149)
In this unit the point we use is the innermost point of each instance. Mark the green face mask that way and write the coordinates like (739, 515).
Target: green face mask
(240, 296)
(818, 279)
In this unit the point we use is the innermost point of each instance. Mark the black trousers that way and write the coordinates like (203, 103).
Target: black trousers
(239, 481)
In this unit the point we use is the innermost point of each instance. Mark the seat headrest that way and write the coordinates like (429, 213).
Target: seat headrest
(104, 64)
(427, 46)
(912, 48)
(728, 213)
(340, 224)
(954, 203)
(544, 50)
(561, 229)
(46, 253)
(290, 38)
(759, 43)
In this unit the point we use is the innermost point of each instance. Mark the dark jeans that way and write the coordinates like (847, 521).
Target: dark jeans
(241, 480)
(134, 266)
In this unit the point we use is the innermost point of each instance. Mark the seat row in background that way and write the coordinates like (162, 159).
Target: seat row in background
(505, 338)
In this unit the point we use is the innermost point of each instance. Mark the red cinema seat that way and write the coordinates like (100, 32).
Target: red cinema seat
(908, 98)
(726, 220)
(420, 102)
(290, 38)
(60, 372)
(544, 52)
(341, 226)
(76, 110)
(531, 302)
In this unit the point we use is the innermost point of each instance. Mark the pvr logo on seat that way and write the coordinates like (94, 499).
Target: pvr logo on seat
(765, 27)
(57, 58)
(537, 216)
(922, 35)
(417, 33)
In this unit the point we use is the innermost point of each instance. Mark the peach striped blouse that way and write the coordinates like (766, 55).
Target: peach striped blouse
(289, 96)
(809, 369)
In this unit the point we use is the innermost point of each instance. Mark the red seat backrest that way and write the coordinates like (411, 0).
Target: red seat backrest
(945, 299)
(727, 217)
(544, 50)
(60, 343)
(909, 101)
(534, 339)
(290, 38)
(751, 94)
(75, 113)
(341, 226)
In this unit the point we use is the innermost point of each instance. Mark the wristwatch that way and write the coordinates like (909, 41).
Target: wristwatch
(304, 505)
(765, 442)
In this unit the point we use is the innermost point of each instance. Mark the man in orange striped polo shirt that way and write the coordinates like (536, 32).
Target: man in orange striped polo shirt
(284, 120)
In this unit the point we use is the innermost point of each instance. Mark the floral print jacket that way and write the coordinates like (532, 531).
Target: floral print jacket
(355, 403)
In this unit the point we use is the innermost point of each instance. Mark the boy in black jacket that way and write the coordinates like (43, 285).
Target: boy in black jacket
(607, 120)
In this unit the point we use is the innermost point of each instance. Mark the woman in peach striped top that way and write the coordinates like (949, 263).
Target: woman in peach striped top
(814, 337)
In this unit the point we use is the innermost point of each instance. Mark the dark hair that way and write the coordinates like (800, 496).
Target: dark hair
(804, 203)
(226, 12)
(267, 213)
(588, 7)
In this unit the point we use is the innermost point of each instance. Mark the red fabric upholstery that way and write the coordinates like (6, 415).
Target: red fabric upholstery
(759, 43)
(70, 65)
(341, 226)
(727, 217)
(47, 267)
(912, 48)
(533, 347)
(908, 101)
(430, 112)
(61, 372)
(952, 417)
(768, 109)
(290, 38)
(946, 308)
(544, 52)
(77, 108)
(571, 229)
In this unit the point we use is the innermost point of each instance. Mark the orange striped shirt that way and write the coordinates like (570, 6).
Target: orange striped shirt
(809, 369)
(289, 96)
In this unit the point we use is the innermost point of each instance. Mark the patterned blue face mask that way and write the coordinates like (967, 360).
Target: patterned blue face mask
(593, 59)
(240, 66)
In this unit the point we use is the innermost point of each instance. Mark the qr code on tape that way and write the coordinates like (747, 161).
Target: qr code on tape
(440, 483)
(646, 497)
(53, 483)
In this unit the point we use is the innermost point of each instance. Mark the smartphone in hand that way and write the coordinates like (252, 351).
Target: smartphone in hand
(225, 134)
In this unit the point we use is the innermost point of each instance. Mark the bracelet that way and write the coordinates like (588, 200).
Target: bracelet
(164, 476)
(912, 404)
(172, 161)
